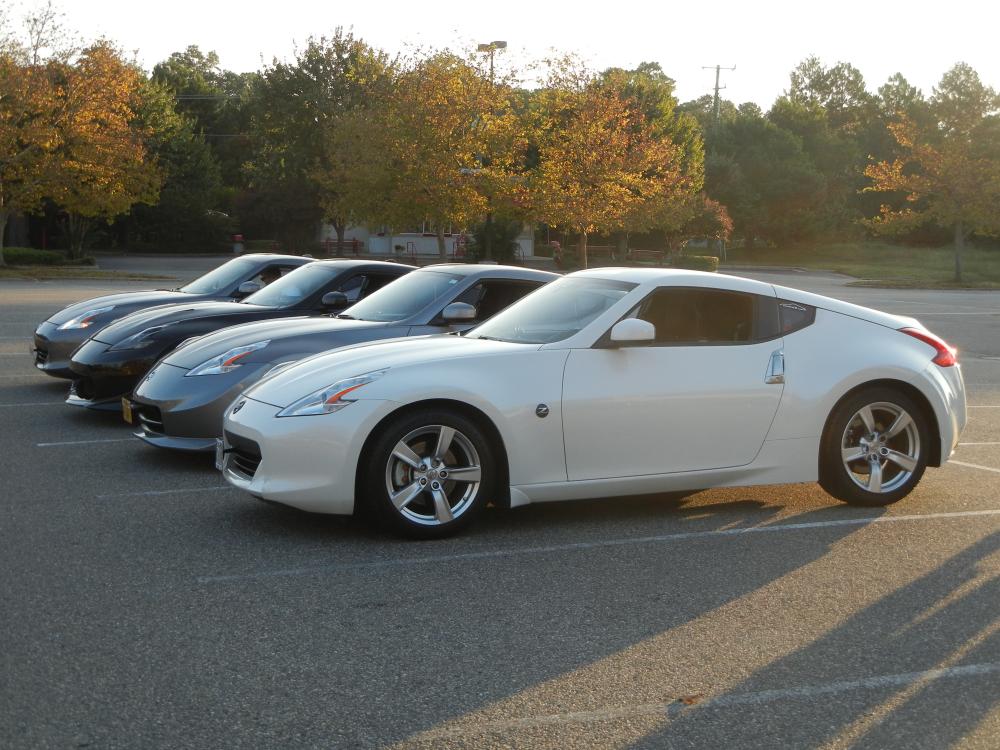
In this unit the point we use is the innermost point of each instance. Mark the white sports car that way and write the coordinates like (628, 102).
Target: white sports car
(607, 382)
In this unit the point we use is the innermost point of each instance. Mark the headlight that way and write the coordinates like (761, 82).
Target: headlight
(226, 362)
(86, 319)
(138, 340)
(330, 399)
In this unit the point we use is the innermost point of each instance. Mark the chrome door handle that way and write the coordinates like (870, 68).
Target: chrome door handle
(775, 368)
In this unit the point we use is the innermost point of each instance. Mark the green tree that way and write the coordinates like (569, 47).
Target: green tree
(293, 108)
(185, 216)
(949, 170)
(216, 101)
(760, 172)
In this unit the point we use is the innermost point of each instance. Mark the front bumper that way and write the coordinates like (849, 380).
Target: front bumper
(185, 413)
(52, 348)
(100, 374)
(308, 463)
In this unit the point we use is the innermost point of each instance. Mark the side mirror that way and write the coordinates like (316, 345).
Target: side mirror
(335, 300)
(459, 311)
(633, 331)
(247, 288)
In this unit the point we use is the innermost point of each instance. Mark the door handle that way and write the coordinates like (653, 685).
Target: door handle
(775, 368)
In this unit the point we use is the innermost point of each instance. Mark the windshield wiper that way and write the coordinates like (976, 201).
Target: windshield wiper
(344, 316)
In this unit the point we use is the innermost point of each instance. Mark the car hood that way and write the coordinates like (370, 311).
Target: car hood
(123, 302)
(290, 338)
(321, 370)
(175, 313)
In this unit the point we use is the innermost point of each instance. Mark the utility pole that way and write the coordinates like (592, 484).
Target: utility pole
(716, 105)
(490, 48)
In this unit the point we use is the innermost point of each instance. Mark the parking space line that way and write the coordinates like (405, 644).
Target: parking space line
(84, 442)
(148, 493)
(995, 442)
(573, 546)
(35, 403)
(684, 704)
(975, 466)
(983, 406)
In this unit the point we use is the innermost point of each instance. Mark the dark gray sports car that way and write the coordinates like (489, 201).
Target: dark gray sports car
(58, 336)
(180, 403)
(109, 364)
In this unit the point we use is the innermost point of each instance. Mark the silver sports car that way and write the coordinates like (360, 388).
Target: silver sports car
(181, 401)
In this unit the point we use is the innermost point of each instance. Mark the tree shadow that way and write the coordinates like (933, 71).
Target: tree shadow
(945, 620)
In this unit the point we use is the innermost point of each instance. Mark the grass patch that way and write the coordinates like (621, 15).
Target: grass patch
(49, 272)
(880, 264)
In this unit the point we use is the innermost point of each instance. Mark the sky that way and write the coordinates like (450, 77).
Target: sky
(763, 40)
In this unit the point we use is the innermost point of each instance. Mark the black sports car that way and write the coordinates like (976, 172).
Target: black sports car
(110, 363)
(57, 338)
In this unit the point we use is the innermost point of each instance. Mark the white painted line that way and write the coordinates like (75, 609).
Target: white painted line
(960, 313)
(151, 493)
(995, 442)
(36, 403)
(733, 700)
(15, 354)
(984, 407)
(517, 551)
(975, 466)
(84, 442)
(16, 338)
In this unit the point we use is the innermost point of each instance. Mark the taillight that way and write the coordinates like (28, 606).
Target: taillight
(945, 356)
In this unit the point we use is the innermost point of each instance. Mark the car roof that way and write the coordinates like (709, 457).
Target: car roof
(677, 277)
(369, 264)
(276, 257)
(493, 270)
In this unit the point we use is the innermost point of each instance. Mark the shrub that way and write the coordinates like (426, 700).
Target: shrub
(29, 256)
(695, 262)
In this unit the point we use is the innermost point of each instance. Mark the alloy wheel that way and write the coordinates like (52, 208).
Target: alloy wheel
(880, 447)
(433, 475)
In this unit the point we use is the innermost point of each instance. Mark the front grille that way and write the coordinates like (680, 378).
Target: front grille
(149, 417)
(244, 455)
(41, 356)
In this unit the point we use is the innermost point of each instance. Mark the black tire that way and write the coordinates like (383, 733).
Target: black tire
(421, 517)
(851, 480)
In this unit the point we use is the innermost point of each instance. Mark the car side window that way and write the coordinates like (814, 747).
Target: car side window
(271, 273)
(375, 281)
(795, 316)
(696, 316)
(490, 296)
(352, 287)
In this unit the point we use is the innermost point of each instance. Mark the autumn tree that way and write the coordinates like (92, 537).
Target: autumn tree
(603, 163)
(948, 171)
(29, 112)
(102, 169)
(441, 146)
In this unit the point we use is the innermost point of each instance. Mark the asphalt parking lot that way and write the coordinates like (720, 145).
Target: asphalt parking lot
(145, 604)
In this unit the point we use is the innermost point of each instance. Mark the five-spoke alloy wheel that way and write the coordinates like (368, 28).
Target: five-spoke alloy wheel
(428, 473)
(874, 450)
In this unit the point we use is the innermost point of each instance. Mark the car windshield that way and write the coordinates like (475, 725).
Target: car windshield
(295, 286)
(405, 297)
(222, 278)
(555, 312)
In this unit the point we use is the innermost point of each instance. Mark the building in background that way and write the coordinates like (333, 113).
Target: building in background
(418, 241)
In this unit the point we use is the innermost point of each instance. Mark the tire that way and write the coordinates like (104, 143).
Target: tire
(414, 489)
(875, 427)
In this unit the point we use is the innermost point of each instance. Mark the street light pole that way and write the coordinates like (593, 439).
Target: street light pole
(490, 48)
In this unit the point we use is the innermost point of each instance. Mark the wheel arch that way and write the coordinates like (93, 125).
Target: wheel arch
(482, 420)
(934, 457)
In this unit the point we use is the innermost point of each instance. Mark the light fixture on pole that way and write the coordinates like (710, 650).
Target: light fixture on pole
(491, 48)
